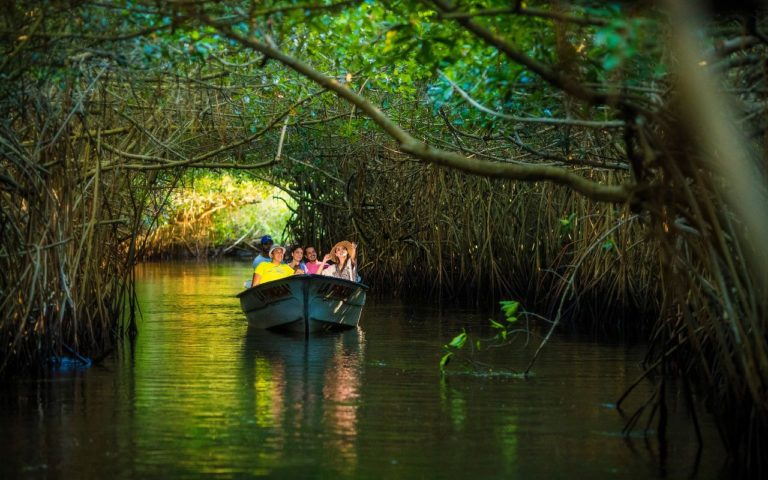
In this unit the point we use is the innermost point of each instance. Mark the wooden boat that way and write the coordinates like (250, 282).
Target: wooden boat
(304, 303)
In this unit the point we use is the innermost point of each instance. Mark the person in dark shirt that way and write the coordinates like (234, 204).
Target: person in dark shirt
(263, 256)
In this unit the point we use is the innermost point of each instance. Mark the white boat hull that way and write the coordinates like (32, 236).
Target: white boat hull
(304, 303)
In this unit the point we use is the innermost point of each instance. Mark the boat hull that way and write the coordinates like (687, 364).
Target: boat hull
(304, 303)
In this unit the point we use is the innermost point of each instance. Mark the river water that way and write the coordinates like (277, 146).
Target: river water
(200, 394)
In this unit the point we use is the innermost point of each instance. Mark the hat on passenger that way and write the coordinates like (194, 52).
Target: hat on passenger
(351, 249)
(275, 247)
(266, 239)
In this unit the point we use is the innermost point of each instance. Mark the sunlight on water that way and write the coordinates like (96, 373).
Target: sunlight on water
(199, 393)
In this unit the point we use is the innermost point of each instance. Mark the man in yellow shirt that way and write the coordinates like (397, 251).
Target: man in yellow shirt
(273, 270)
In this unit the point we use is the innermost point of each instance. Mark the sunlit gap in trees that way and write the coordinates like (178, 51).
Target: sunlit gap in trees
(214, 213)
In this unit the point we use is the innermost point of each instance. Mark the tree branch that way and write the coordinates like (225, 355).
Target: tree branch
(546, 121)
(546, 72)
(162, 163)
(531, 12)
(589, 188)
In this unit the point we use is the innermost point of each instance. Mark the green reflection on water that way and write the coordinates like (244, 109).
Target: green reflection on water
(265, 395)
(508, 436)
(199, 394)
(452, 402)
(233, 397)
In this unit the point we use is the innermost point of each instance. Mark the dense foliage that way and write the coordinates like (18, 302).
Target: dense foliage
(213, 214)
(408, 126)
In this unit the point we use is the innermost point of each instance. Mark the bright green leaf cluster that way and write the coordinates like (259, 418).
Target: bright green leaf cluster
(456, 343)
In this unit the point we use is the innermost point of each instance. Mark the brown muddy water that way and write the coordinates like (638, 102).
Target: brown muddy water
(200, 395)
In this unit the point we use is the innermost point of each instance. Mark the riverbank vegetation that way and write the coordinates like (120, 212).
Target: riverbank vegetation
(211, 215)
(605, 157)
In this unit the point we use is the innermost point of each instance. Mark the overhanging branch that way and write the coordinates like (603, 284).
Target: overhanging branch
(589, 188)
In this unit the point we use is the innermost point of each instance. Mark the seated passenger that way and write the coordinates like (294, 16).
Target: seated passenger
(345, 265)
(297, 253)
(273, 270)
(314, 266)
(264, 245)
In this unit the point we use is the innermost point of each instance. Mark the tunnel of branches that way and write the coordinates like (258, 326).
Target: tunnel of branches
(97, 130)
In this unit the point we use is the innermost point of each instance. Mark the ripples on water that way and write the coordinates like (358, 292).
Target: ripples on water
(200, 394)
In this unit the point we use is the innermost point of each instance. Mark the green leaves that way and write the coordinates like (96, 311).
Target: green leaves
(457, 343)
(459, 340)
(630, 45)
(615, 42)
(566, 224)
(509, 308)
(504, 333)
(444, 361)
(215, 209)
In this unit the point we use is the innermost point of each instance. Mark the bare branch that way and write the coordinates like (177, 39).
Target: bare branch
(546, 121)
(162, 163)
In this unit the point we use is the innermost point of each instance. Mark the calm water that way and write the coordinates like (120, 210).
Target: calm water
(199, 394)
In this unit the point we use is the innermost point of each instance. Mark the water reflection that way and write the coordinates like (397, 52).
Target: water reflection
(307, 387)
(199, 394)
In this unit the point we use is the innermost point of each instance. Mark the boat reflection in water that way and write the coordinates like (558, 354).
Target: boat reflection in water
(304, 303)
(304, 396)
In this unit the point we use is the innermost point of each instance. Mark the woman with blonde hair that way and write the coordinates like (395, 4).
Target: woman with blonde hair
(344, 263)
